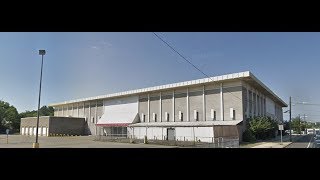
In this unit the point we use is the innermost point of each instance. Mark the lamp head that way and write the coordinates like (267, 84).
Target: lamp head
(42, 52)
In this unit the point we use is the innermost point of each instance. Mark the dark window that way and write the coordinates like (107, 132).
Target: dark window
(234, 114)
(197, 116)
(155, 117)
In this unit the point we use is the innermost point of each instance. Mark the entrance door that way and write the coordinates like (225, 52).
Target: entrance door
(171, 133)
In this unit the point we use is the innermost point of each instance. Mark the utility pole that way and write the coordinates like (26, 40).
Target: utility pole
(304, 121)
(299, 124)
(290, 118)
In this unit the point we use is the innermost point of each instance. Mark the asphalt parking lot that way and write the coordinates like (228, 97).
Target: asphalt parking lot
(18, 141)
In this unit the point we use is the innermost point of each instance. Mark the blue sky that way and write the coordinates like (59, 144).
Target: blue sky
(81, 65)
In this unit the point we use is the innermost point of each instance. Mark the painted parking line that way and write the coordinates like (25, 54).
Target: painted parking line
(310, 142)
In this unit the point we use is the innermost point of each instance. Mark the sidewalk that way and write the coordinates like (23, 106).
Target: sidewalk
(274, 143)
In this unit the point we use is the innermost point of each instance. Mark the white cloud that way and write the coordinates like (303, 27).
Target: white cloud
(106, 44)
(101, 45)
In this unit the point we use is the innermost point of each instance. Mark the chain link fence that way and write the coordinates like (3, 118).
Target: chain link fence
(183, 141)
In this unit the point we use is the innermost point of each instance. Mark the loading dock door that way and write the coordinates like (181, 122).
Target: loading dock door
(34, 131)
(44, 131)
(27, 131)
(30, 131)
(22, 131)
(171, 133)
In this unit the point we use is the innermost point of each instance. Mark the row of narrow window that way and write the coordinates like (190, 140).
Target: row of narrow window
(195, 115)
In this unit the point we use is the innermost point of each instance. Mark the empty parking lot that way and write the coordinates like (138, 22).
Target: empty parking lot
(18, 141)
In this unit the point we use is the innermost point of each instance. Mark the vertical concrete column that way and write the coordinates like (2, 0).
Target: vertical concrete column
(260, 111)
(247, 101)
(160, 106)
(188, 110)
(62, 112)
(173, 105)
(83, 110)
(204, 103)
(89, 111)
(95, 113)
(78, 110)
(95, 118)
(252, 105)
(72, 110)
(221, 102)
(262, 114)
(257, 107)
(264, 106)
(148, 107)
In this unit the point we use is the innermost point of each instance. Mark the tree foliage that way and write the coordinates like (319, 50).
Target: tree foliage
(10, 118)
(248, 136)
(262, 127)
(43, 111)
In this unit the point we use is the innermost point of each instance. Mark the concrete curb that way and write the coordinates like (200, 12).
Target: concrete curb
(287, 145)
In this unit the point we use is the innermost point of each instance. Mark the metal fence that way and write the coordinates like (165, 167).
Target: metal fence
(184, 141)
(221, 142)
(113, 138)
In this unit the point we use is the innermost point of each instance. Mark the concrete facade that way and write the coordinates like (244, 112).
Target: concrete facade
(232, 97)
(52, 125)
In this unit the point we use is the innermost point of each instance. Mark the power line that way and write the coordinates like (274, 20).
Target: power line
(307, 110)
(305, 103)
(182, 56)
(172, 48)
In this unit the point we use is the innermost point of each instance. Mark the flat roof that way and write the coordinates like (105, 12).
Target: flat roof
(246, 76)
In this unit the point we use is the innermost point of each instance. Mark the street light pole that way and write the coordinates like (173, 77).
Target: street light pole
(299, 124)
(36, 144)
(290, 118)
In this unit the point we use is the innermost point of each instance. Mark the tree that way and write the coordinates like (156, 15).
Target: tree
(9, 117)
(12, 118)
(262, 127)
(297, 125)
(46, 111)
(43, 111)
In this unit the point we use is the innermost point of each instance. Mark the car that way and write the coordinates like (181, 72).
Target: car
(317, 141)
(310, 131)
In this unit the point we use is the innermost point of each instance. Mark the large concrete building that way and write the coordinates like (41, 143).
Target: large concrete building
(203, 109)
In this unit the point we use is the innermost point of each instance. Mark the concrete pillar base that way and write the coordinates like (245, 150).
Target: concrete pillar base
(145, 140)
(35, 145)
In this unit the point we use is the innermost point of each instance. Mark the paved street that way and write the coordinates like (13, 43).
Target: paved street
(18, 141)
(303, 142)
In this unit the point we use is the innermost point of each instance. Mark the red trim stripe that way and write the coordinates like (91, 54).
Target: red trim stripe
(114, 125)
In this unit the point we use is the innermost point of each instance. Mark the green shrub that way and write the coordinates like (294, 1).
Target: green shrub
(262, 127)
(248, 136)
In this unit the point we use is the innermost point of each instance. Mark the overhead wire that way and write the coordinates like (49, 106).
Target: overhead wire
(183, 57)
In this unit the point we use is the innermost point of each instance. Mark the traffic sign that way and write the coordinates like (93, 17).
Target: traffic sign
(7, 131)
(280, 127)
